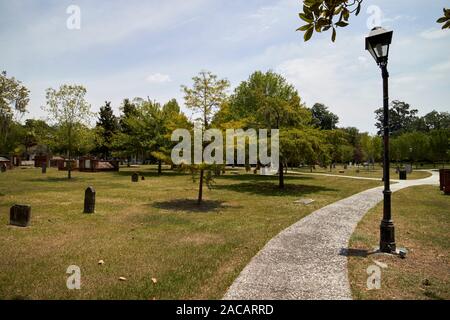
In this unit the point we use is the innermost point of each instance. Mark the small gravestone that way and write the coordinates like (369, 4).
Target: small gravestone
(408, 168)
(89, 200)
(345, 167)
(20, 215)
(44, 168)
(3, 168)
(142, 178)
(135, 177)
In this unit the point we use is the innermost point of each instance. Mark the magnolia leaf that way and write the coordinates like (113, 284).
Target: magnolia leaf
(308, 34)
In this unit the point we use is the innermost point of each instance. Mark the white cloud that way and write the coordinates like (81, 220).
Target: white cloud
(433, 34)
(158, 78)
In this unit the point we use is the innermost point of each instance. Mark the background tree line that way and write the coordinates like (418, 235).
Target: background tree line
(141, 132)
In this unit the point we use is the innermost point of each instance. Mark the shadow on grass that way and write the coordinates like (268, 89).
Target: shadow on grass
(59, 179)
(348, 252)
(257, 177)
(191, 205)
(264, 188)
(148, 173)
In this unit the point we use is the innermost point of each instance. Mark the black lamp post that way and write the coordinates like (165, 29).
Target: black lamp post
(377, 43)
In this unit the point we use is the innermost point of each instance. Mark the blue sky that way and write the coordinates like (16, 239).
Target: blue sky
(149, 48)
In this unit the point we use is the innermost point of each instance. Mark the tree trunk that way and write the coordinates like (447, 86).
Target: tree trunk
(69, 164)
(159, 166)
(200, 188)
(281, 175)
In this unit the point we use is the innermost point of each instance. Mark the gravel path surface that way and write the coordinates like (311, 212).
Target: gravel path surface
(306, 260)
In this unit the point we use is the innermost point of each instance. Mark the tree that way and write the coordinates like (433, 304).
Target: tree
(336, 141)
(439, 142)
(107, 126)
(68, 108)
(204, 98)
(14, 98)
(319, 16)
(401, 118)
(323, 118)
(267, 101)
(304, 146)
(435, 120)
(372, 147)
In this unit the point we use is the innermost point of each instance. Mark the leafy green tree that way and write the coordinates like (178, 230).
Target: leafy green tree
(107, 126)
(323, 118)
(267, 101)
(323, 15)
(401, 118)
(435, 120)
(303, 146)
(204, 98)
(14, 98)
(439, 142)
(372, 147)
(336, 140)
(68, 109)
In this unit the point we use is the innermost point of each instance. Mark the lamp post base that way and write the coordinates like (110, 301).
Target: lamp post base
(387, 237)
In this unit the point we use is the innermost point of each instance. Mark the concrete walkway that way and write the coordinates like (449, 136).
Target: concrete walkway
(336, 175)
(305, 261)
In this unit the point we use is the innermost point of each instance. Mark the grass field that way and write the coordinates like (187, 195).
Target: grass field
(376, 172)
(422, 221)
(145, 230)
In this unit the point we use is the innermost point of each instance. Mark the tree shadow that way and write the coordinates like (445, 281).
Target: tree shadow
(349, 252)
(191, 205)
(58, 179)
(263, 188)
(257, 177)
(148, 173)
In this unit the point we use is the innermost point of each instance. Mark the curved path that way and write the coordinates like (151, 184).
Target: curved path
(305, 261)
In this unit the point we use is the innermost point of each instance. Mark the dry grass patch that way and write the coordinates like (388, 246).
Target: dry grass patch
(150, 229)
(422, 220)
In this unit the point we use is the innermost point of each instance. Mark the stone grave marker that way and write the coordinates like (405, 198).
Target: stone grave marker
(89, 200)
(44, 168)
(408, 168)
(135, 177)
(20, 215)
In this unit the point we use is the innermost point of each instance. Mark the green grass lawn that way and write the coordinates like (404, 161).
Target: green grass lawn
(376, 172)
(422, 221)
(145, 230)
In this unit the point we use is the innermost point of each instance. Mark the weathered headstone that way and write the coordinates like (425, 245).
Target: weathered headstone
(345, 167)
(142, 178)
(89, 200)
(135, 177)
(408, 168)
(44, 168)
(20, 215)
(3, 168)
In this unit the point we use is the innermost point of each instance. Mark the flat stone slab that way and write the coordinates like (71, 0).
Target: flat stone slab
(304, 201)
(306, 260)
